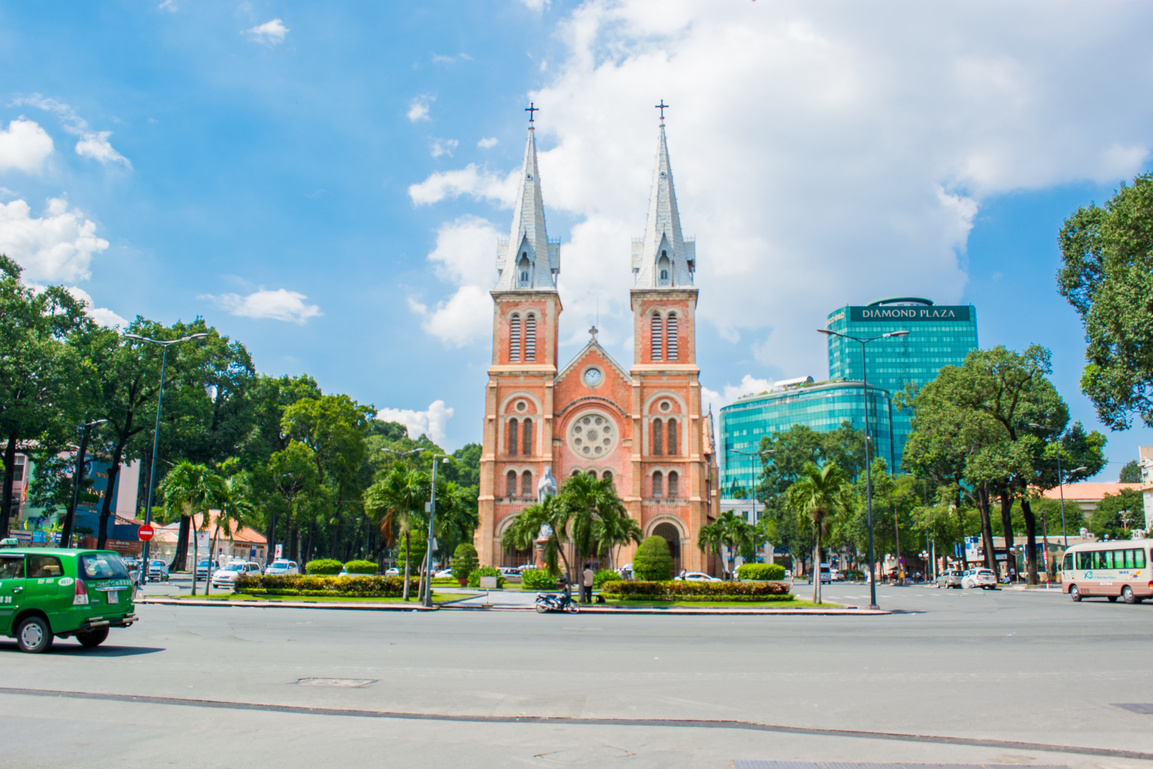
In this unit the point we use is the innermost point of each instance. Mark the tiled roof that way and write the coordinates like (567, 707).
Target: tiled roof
(1090, 491)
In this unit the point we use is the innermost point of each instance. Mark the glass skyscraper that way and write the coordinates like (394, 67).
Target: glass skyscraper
(938, 336)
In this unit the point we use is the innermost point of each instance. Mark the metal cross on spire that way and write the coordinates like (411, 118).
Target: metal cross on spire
(530, 109)
(662, 107)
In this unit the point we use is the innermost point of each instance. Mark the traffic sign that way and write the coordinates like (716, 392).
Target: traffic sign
(146, 533)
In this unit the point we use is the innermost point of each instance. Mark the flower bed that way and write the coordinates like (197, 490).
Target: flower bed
(697, 591)
(318, 585)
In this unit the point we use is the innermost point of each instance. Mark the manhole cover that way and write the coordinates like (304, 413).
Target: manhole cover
(1144, 708)
(343, 683)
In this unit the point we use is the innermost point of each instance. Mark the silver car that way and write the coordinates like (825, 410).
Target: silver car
(949, 579)
(982, 578)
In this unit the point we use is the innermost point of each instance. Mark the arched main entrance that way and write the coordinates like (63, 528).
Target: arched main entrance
(672, 535)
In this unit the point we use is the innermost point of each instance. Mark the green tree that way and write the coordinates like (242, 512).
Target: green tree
(236, 509)
(820, 496)
(1130, 473)
(653, 561)
(1117, 514)
(464, 561)
(191, 490)
(590, 509)
(1108, 278)
(731, 531)
(397, 501)
(545, 520)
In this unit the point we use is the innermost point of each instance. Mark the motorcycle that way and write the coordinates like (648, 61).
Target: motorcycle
(546, 602)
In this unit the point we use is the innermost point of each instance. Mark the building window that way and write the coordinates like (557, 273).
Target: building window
(671, 333)
(658, 483)
(672, 442)
(524, 270)
(512, 437)
(511, 488)
(18, 470)
(658, 438)
(530, 337)
(526, 444)
(674, 485)
(663, 267)
(526, 484)
(607, 475)
(514, 338)
(593, 473)
(656, 346)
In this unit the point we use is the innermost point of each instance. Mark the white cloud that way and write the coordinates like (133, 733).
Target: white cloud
(169, 5)
(442, 59)
(462, 319)
(418, 108)
(823, 155)
(24, 146)
(92, 144)
(101, 315)
(465, 255)
(431, 422)
(471, 181)
(536, 5)
(444, 147)
(280, 304)
(749, 385)
(269, 33)
(488, 143)
(56, 246)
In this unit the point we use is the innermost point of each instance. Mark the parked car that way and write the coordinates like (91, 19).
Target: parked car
(443, 574)
(949, 579)
(49, 593)
(205, 568)
(226, 575)
(282, 566)
(255, 568)
(980, 577)
(157, 570)
(133, 566)
(511, 573)
(695, 576)
(826, 573)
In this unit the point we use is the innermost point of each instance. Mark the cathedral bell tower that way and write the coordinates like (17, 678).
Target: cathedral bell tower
(519, 398)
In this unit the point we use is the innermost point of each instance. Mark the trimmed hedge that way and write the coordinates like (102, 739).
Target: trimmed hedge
(537, 579)
(485, 571)
(761, 571)
(361, 567)
(323, 566)
(653, 561)
(323, 585)
(697, 591)
(464, 561)
(603, 576)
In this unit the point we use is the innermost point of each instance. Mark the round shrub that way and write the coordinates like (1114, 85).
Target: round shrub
(361, 567)
(464, 561)
(537, 579)
(485, 571)
(323, 566)
(761, 571)
(652, 561)
(603, 576)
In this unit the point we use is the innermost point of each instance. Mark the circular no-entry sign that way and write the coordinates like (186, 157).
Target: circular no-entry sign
(146, 533)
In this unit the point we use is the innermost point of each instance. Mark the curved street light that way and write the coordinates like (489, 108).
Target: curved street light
(868, 440)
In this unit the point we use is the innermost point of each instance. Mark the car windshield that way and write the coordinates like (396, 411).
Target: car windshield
(102, 566)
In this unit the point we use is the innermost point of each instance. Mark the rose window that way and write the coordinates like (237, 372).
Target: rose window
(592, 435)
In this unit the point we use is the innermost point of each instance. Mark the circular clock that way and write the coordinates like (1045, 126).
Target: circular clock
(593, 376)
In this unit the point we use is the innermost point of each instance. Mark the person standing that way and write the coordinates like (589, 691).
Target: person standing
(588, 576)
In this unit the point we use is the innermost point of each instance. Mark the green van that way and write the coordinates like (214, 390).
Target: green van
(47, 592)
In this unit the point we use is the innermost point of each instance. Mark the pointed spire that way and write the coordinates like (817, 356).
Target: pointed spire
(528, 261)
(664, 259)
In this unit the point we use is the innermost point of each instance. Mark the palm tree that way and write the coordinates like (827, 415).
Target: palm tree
(529, 524)
(591, 508)
(728, 530)
(398, 499)
(820, 495)
(190, 490)
(235, 509)
(613, 532)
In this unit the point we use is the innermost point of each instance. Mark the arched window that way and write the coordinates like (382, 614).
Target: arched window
(671, 334)
(658, 483)
(674, 485)
(512, 432)
(529, 337)
(607, 475)
(593, 473)
(524, 269)
(526, 484)
(526, 443)
(656, 326)
(576, 472)
(511, 488)
(663, 268)
(658, 438)
(672, 439)
(514, 338)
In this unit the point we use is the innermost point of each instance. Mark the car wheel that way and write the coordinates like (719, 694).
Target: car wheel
(34, 635)
(92, 638)
(1127, 595)
(1074, 593)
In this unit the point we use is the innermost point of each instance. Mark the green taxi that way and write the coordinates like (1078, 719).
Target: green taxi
(47, 592)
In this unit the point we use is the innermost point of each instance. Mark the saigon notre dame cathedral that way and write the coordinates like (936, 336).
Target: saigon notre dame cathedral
(642, 426)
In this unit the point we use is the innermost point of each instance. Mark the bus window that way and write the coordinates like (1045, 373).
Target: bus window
(1068, 562)
(1084, 561)
(1140, 560)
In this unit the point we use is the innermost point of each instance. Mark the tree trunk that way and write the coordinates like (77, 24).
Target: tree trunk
(195, 561)
(9, 481)
(270, 544)
(1030, 541)
(407, 561)
(1007, 528)
(986, 528)
(106, 504)
(817, 568)
(180, 558)
(211, 550)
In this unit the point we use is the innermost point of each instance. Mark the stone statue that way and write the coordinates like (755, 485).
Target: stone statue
(546, 487)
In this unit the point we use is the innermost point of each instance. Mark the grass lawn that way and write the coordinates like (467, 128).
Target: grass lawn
(796, 603)
(437, 597)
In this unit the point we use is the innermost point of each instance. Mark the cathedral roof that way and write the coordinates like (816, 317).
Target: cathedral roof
(663, 238)
(593, 346)
(529, 261)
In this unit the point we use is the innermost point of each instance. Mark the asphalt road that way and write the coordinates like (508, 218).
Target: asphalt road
(951, 677)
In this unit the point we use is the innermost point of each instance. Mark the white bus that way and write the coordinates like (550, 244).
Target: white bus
(1119, 569)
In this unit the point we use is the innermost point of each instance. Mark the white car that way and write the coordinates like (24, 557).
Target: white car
(226, 575)
(695, 576)
(281, 567)
(982, 578)
(443, 574)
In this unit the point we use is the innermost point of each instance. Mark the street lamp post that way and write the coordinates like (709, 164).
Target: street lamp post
(868, 440)
(77, 477)
(431, 519)
(165, 344)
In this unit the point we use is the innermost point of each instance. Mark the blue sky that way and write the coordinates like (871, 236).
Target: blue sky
(326, 182)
